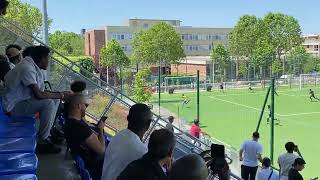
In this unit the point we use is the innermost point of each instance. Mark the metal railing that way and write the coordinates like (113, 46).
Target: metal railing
(70, 71)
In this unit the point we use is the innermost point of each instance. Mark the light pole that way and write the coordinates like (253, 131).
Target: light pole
(45, 32)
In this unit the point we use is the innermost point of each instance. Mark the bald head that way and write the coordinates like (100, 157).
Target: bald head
(189, 167)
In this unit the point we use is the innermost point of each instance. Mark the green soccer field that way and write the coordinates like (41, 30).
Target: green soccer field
(232, 116)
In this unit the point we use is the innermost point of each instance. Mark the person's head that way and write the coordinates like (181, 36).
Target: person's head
(78, 86)
(3, 7)
(139, 119)
(299, 164)
(196, 122)
(266, 162)
(161, 144)
(13, 53)
(27, 51)
(77, 105)
(40, 55)
(269, 106)
(290, 147)
(255, 135)
(310, 90)
(171, 119)
(189, 167)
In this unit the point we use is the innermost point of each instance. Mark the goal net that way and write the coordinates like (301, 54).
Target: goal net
(180, 82)
(309, 80)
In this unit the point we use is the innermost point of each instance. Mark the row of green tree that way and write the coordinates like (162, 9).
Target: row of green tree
(271, 44)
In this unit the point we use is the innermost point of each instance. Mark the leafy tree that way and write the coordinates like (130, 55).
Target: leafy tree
(220, 56)
(243, 70)
(283, 32)
(160, 43)
(243, 37)
(87, 64)
(26, 16)
(297, 58)
(313, 64)
(262, 56)
(113, 56)
(142, 93)
(276, 67)
(68, 43)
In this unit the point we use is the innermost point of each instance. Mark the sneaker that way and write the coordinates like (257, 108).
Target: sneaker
(47, 147)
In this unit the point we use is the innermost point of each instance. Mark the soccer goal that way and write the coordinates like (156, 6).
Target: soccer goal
(180, 82)
(309, 80)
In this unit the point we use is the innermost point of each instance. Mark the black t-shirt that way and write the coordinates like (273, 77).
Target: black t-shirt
(294, 175)
(76, 132)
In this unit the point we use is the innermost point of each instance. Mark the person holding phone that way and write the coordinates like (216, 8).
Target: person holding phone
(157, 162)
(82, 140)
(286, 160)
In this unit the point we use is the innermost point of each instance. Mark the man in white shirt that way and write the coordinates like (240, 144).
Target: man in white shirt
(250, 153)
(26, 96)
(267, 173)
(127, 146)
(286, 160)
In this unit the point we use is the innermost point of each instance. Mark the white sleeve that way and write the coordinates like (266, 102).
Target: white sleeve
(260, 149)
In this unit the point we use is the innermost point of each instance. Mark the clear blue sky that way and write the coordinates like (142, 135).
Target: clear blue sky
(72, 15)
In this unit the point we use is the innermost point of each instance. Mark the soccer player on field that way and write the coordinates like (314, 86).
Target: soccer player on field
(221, 87)
(312, 96)
(269, 116)
(186, 100)
(250, 88)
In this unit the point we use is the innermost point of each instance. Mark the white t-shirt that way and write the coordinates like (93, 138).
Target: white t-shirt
(124, 148)
(251, 149)
(285, 161)
(17, 81)
(265, 173)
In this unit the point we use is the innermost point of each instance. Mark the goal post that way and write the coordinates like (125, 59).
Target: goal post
(309, 80)
(180, 81)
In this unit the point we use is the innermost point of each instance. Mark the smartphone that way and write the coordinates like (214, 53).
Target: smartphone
(217, 151)
(103, 118)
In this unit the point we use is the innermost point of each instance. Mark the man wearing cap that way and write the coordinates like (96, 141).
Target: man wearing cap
(14, 55)
(127, 146)
(297, 166)
(286, 160)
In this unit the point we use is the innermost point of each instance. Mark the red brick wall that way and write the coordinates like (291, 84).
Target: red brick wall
(190, 69)
(94, 41)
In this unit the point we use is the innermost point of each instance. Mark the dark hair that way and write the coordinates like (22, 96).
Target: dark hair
(256, 135)
(160, 144)
(38, 52)
(170, 118)
(290, 147)
(13, 46)
(4, 4)
(196, 121)
(27, 51)
(266, 162)
(78, 86)
(298, 161)
(137, 119)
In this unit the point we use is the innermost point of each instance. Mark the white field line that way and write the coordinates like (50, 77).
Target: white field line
(257, 109)
(234, 103)
(299, 114)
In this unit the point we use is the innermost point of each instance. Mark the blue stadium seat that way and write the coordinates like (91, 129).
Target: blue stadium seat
(18, 163)
(7, 131)
(86, 175)
(17, 145)
(19, 177)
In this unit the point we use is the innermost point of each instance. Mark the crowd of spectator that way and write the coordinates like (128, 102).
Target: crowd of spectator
(22, 90)
(251, 154)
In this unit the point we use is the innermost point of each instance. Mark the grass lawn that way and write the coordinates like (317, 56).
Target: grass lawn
(232, 117)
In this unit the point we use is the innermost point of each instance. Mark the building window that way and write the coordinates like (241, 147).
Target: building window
(145, 25)
(122, 36)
